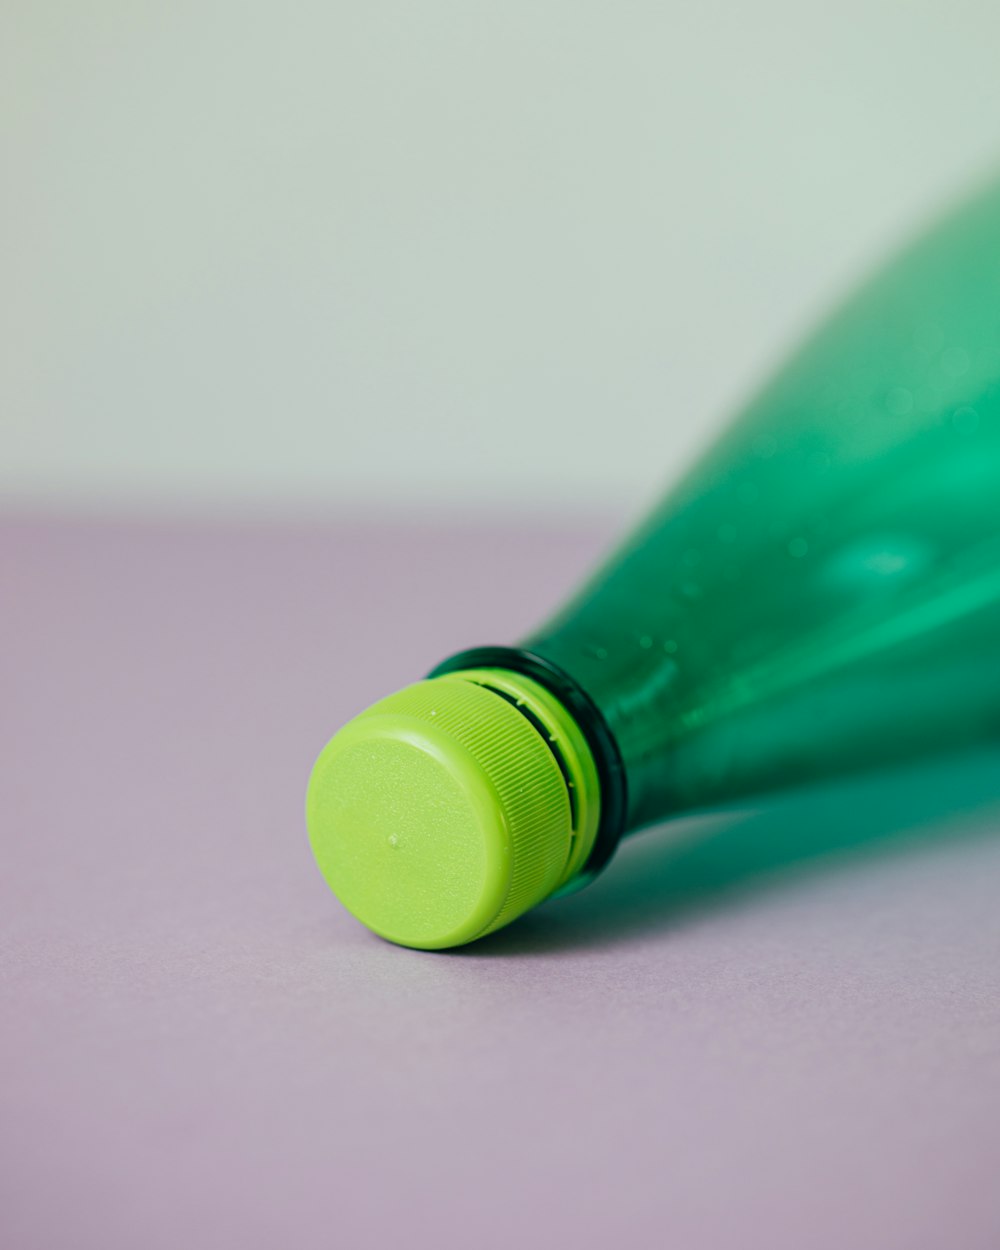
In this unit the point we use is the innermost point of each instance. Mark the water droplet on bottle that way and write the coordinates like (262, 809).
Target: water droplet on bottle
(955, 361)
(670, 646)
(393, 841)
(645, 642)
(878, 560)
(798, 548)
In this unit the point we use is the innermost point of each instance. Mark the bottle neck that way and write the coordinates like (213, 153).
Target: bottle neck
(581, 721)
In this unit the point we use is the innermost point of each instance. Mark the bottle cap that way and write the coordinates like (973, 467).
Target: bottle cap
(448, 809)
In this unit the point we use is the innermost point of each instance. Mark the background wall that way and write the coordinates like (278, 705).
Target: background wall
(426, 255)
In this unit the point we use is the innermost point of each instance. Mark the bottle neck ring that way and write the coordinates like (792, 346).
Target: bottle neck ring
(596, 732)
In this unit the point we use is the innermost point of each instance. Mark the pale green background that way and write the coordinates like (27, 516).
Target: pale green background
(323, 255)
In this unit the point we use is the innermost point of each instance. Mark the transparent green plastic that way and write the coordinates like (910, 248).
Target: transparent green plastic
(822, 592)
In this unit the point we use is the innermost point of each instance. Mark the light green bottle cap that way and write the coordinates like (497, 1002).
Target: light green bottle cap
(448, 809)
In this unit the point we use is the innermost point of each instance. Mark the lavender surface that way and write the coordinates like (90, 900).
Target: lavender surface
(777, 1029)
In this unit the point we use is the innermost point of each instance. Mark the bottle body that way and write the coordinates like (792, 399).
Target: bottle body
(822, 592)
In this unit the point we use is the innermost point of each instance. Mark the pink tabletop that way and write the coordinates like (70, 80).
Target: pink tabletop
(775, 1030)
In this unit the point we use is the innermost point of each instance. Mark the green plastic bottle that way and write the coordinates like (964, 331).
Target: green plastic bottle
(820, 594)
